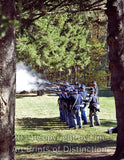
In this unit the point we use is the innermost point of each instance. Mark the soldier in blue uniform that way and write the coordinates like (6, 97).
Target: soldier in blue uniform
(70, 114)
(61, 99)
(93, 102)
(65, 106)
(83, 93)
(68, 111)
(112, 130)
(60, 106)
(77, 85)
(95, 87)
(75, 102)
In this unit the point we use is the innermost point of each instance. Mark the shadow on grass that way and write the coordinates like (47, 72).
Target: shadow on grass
(93, 158)
(102, 157)
(70, 151)
(108, 123)
(63, 150)
(42, 123)
(53, 123)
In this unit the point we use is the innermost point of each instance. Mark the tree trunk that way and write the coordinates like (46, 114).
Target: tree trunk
(108, 79)
(71, 76)
(7, 85)
(115, 13)
(77, 72)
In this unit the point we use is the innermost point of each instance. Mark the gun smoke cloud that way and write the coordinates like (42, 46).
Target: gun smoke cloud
(27, 79)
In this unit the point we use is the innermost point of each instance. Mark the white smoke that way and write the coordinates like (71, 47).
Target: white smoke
(27, 79)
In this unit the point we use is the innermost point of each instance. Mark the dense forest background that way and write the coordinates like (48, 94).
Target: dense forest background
(68, 46)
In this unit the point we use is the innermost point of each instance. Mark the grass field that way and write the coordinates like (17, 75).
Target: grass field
(40, 134)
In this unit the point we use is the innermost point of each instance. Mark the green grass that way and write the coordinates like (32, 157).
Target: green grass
(39, 132)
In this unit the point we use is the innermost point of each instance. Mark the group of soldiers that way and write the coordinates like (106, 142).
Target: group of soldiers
(72, 104)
